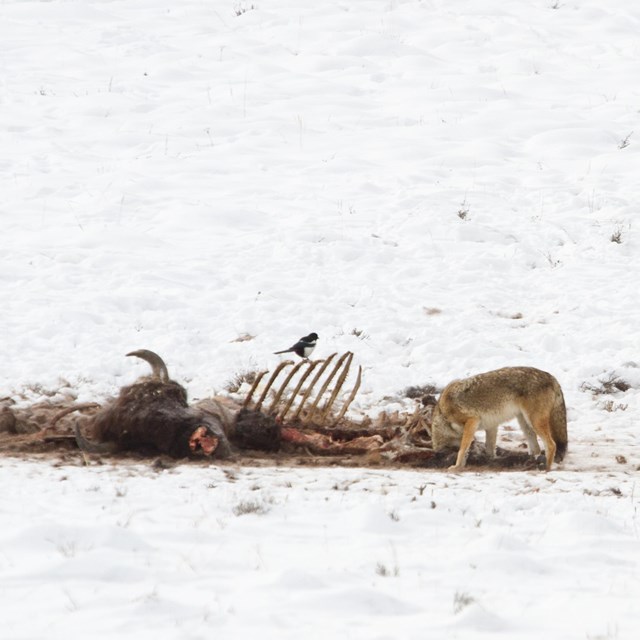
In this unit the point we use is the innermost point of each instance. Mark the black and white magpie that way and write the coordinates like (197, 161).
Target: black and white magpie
(303, 347)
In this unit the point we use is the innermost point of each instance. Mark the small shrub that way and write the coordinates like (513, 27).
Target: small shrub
(610, 385)
(553, 263)
(611, 407)
(461, 600)
(250, 506)
(240, 9)
(624, 143)
(235, 383)
(417, 392)
(616, 236)
(66, 548)
(384, 572)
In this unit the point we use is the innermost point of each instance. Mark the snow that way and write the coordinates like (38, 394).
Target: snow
(432, 185)
(282, 552)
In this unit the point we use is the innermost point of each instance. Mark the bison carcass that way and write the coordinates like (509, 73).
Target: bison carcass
(153, 415)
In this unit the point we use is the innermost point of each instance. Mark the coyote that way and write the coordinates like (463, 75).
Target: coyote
(487, 400)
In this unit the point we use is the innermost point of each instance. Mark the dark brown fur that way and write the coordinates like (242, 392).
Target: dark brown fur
(152, 416)
(255, 430)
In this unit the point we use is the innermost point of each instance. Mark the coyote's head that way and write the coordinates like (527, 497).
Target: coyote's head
(444, 434)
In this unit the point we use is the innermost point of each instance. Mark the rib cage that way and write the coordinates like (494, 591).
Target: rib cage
(310, 408)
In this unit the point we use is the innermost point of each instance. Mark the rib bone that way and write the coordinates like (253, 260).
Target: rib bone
(341, 378)
(272, 379)
(310, 367)
(254, 386)
(282, 388)
(325, 386)
(307, 393)
(352, 395)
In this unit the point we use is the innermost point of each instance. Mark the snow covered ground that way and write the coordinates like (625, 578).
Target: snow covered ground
(335, 553)
(441, 187)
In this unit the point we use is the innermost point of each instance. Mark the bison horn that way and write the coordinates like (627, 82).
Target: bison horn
(158, 367)
(93, 447)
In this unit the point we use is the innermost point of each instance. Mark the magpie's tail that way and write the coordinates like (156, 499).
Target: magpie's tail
(275, 353)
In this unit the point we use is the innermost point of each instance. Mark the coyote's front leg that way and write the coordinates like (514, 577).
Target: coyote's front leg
(469, 430)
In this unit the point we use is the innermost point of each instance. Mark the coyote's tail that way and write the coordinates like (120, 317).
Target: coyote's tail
(559, 423)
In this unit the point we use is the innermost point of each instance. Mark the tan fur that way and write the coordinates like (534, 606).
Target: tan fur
(487, 400)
